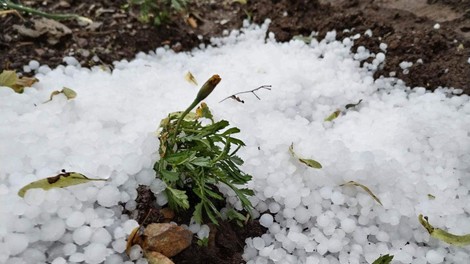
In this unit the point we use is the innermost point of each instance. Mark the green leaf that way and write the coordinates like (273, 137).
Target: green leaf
(213, 194)
(309, 162)
(232, 130)
(233, 215)
(333, 116)
(197, 214)
(202, 162)
(440, 234)
(203, 242)
(180, 157)
(209, 213)
(213, 128)
(385, 259)
(177, 198)
(237, 160)
(169, 176)
(365, 188)
(61, 180)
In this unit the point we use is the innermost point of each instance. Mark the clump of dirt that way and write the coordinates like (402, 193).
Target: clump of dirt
(226, 241)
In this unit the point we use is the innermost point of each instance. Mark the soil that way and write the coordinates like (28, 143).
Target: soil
(226, 241)
(439, 56)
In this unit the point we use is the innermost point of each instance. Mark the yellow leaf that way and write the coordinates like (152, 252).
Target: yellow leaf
(189, 77)
(192, 22)
(309, 162)
(365, 188)
(134, 238)
(8, 78)
(69, 93)
(203, 111)
(333, 116)
(61, 180)
(26, 81)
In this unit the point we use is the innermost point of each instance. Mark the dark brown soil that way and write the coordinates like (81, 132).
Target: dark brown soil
(226, 241)
(118, 34)
(407, 27)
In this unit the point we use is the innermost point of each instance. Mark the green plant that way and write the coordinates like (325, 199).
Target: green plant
(203, 242)
(197, 157)
(157, 11)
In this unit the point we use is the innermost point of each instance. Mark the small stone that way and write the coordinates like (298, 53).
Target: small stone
(154, 257)
(168, 239)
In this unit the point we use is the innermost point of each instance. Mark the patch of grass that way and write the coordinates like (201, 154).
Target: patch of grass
(157, 12)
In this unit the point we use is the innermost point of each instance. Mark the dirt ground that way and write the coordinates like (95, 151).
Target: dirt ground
(439, 53)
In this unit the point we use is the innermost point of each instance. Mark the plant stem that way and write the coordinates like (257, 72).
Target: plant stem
(10, 5)
(205, 90)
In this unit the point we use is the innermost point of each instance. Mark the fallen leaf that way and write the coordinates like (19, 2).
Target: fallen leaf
(309, 162)
(307, 40)
(11, 79)
(69, 93)
(11, 11)
(333, 116)
(44, 26)
(192, 22)
(135, 237)
(243, 2)
(385, 259)
(154, 257)
(190, 78)
(8, 78)
(61, 180)
(365, 188)
(437, 233)
(353, 105)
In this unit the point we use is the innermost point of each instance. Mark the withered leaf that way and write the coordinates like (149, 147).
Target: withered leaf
(309, 162)
(365, 188)
(333, 116)
(61, 180)
(189, 77)
(11, 79)
(69, 93)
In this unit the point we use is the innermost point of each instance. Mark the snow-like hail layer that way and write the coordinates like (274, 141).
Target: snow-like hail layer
(402, 143)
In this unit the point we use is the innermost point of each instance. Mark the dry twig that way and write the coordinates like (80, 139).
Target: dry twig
(236, 98)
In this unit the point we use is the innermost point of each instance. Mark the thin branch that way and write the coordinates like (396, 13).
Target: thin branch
(236, 98)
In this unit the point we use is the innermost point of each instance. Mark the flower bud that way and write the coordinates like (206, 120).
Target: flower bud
(207, 88)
